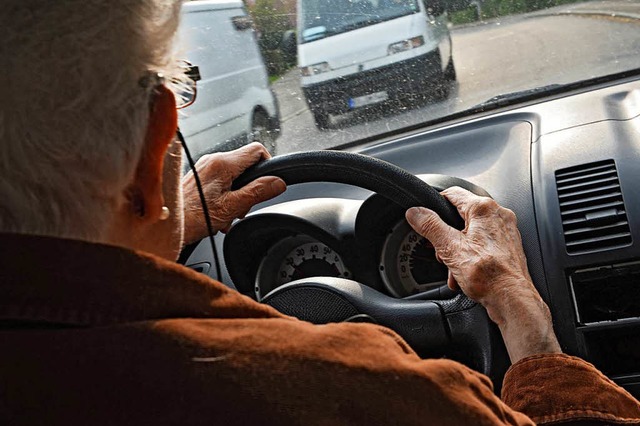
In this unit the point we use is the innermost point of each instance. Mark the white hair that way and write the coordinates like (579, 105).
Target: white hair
(73, 114)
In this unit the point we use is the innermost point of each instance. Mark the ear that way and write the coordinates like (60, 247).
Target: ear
(145, 192)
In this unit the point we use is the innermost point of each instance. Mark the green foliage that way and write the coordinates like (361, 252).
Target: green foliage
(270, 24)
(464, 16)
(495, 8)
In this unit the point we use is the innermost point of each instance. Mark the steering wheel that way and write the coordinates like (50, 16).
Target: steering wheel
(457, 328)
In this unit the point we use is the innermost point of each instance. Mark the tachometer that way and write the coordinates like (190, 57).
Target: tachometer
(408, 264)
(295, 258)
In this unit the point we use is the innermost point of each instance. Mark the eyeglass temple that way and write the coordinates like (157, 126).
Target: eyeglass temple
(193, 72)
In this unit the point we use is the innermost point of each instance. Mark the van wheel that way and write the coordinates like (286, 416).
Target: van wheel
(445, 81)
(450, 71)
(321, 119)
(260, 132)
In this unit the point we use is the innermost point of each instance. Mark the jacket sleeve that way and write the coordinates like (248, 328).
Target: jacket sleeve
(558, 388)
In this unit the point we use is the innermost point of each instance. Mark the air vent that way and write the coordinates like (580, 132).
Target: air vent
(593, 213)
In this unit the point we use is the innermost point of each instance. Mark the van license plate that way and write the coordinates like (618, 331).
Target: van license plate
(373, 98)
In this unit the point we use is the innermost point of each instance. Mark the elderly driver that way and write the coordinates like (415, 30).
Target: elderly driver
(100, 326)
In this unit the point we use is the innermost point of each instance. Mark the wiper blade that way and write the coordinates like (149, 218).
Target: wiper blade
(355, 25)
(508, 98)
(549, 89)
(376, 139)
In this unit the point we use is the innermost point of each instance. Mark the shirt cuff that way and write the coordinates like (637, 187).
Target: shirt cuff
(552, 388)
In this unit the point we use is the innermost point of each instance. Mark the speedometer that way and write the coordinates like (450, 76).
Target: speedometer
(294, 258)
(313, 259)
(408, 263)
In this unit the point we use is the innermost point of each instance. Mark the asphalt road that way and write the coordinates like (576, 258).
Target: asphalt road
(560, 46)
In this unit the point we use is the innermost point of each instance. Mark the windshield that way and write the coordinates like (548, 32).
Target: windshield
(319, 74)
(323, 18)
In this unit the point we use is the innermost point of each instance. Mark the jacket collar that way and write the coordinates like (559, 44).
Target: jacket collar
(77, 283)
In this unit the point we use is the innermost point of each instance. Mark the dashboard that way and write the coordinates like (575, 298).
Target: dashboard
(388, 256)
(365, 240)
(566, 165)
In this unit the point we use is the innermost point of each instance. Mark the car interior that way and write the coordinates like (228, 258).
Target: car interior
(336, 247)
(359, 139)
(564, 157)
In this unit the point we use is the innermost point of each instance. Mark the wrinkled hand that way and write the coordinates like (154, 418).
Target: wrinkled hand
(485, 257)
(486, 260)
(217, 172)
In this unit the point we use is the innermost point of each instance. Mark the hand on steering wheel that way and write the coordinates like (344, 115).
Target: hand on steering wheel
(486, 260)
(217, 173)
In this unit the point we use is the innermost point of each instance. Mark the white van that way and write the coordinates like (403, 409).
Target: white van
(354, 53)
(234, 103)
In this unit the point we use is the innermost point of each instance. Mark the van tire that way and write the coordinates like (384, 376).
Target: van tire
(261, 131)
(321, 119)
(450, 72)
(446, 80)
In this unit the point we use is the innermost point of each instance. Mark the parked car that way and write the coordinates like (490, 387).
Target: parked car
(353, 54)
(234, 102)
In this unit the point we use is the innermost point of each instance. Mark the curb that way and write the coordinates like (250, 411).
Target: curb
(608, 14)
(566, 12)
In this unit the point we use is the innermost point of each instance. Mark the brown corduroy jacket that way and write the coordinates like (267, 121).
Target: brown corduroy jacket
(99, 335)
